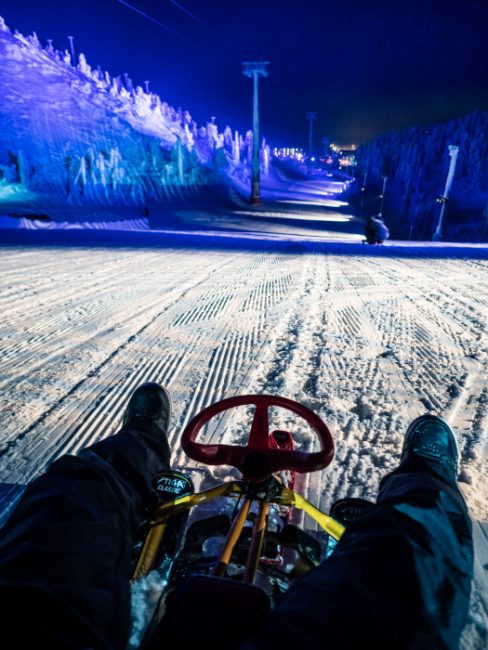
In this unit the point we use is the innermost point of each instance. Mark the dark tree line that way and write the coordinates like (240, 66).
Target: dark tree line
(416, 163)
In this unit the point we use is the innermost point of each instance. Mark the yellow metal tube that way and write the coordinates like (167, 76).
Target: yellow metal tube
(231, 541)
(256, 542)
(162, 513)
(149, 552)
(328, 523)
(181, 504)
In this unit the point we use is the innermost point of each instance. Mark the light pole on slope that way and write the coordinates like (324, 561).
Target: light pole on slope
(72, 47)
(453, 152)
(382, 196)
(255, 69)
(311, 117)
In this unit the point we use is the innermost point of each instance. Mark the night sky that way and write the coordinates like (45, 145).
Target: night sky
(366, 67)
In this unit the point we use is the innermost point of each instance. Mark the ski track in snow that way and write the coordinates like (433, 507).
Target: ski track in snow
(368, 343)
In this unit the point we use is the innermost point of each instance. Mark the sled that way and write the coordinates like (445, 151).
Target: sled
(221, 599)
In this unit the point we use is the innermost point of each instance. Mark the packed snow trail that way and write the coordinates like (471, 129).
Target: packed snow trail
(367, 342)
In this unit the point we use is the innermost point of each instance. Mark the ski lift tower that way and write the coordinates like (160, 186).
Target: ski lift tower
(311, 117)
(255, 69)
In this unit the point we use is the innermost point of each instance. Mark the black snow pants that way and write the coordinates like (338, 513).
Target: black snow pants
(399, 579)
(65, 552)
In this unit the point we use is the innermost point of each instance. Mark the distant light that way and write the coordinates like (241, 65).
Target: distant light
(312, 159)
(288, 153)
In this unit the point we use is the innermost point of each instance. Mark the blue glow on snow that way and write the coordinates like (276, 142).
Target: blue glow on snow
(78, 136)
(12, 192)
(312, 236)
(327, 203)
(303, 216)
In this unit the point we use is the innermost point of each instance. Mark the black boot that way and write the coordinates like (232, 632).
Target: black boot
(430, 445)
(148, 410)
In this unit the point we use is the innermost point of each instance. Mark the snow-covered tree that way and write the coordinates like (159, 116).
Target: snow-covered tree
(83, 66)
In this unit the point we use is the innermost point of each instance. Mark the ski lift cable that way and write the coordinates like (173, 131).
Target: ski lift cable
(275, 79)
(154, 20)
(193, 17)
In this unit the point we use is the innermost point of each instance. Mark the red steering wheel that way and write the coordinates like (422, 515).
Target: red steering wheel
(257, 459)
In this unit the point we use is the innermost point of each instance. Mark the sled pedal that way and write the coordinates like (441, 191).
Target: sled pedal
(345, 511)
(202, 529)
(210, 612)
(348, 509)
(304, 544)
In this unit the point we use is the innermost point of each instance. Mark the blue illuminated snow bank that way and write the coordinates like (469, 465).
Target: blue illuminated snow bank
(72, 137)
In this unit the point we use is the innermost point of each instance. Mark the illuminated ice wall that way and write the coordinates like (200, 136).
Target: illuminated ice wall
(72, 135)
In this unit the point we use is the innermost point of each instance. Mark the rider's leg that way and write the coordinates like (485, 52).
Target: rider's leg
(401, 575)
(65, 552)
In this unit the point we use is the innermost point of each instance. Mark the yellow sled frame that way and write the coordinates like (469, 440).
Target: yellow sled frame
(236, 489)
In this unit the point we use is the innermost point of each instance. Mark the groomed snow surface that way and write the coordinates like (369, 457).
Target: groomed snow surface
(367, 342)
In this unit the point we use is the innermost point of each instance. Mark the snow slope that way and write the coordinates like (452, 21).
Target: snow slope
(366, 342)
(72, 135)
